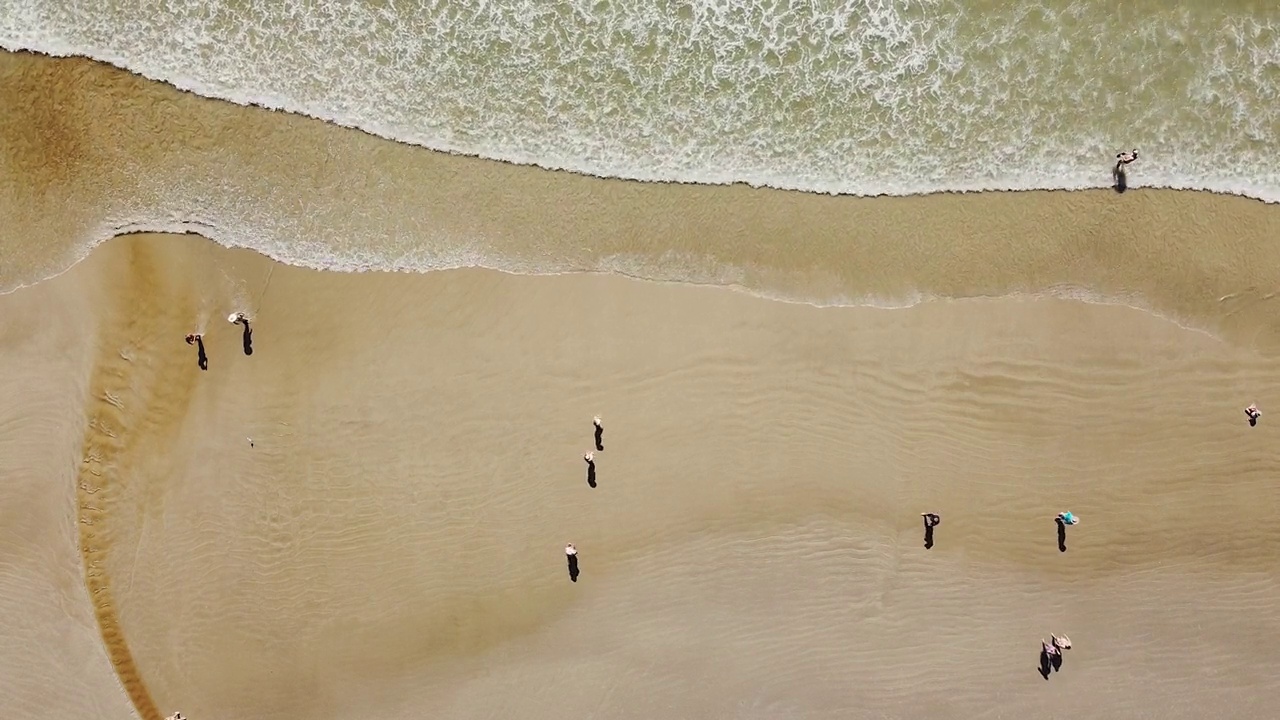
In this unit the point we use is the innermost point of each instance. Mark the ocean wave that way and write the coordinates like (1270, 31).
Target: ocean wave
(716, 275)
(872, 98)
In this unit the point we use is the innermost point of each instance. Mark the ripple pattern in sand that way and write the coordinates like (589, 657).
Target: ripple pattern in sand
(392, 543)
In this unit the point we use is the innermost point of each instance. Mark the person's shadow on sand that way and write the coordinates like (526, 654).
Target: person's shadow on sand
(930, 521)
(1049, 663)
(573, 567)
(591, 473)
(246, 335)
(201, 358)
(1121, 183)
(1062, 534)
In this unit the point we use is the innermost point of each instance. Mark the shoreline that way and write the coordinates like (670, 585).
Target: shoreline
(92, 148)
(364, 512)
(278, 105)
(1066, 294)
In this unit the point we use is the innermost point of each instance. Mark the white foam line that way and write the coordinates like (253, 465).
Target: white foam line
(1024, 182)
(1061, 292)
(1066, 181)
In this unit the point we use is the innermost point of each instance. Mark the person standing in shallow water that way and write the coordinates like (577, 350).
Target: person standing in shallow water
(246, 336)
(1118, 173)
(198, 340)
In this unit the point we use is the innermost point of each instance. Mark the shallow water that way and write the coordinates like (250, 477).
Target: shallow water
(870, 97)
(90, 151)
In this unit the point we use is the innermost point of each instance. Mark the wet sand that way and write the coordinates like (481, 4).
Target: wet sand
(54, 664)
(392, 545)
(86, 150)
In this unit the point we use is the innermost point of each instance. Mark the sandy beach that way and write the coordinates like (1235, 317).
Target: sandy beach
(392, 543)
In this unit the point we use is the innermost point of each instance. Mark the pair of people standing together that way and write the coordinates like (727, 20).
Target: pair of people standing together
(197, 339)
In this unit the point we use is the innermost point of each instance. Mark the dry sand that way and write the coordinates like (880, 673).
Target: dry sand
(392, 545)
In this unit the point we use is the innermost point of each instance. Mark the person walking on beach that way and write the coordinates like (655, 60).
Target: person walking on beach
(198, 340)
(1253, 413)
(246, 336)
(591, 468)
(931, 520)
(1063, 520)
(599, 433)
(175, 716)
(571, 553)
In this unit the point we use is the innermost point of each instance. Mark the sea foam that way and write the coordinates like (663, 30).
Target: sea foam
(877, 97)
